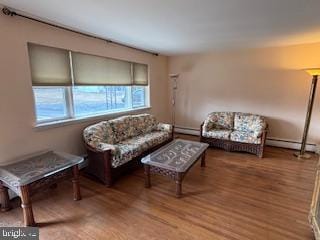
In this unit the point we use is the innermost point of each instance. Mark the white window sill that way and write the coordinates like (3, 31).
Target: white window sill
(60, 123)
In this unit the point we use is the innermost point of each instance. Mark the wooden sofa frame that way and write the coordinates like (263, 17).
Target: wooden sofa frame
(99, 163)
(228, 145)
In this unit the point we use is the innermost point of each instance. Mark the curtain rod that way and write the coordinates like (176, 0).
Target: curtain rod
(6, 11)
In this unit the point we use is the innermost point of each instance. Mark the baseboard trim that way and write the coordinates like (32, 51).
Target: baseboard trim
(275, 142)
(189, 131)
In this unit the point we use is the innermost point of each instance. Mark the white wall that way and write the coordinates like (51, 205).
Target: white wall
(17, 135)
(265, 81)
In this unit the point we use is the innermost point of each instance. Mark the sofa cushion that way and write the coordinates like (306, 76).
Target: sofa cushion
(251, 123)
(132, 125)
(142, 123)
(164, 127)
(245, 137)
(133, 147)
(153, 139)
(124, 153)
(120, 127)
(98, 135)
(220, 120)
(219, 134)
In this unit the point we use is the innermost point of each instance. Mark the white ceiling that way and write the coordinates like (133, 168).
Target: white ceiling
(185, 26)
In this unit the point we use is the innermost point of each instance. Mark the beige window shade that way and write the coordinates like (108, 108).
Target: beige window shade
(140, 74)
(95, 70)
(49, 66)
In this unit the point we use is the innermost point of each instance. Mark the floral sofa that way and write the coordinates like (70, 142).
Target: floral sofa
(235, 131)
(116, 145)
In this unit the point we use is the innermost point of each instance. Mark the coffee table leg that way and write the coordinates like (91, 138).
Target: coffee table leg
(147, 183)
(178, 185)
(4, 198)
(75, 183)
(203, 160)
(26, 206)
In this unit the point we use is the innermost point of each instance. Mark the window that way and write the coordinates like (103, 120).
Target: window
(50, 103)
(53, 103)
(69, 85)
(138, 96)
(93, 100)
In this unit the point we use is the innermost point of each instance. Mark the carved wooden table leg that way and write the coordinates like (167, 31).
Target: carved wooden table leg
(26, 206)
(147, 183)
(4, 198)
(203, 159)
(178, 179)
(75, 183)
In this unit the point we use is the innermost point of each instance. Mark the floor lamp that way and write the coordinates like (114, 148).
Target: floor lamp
(314, 72)
(174, 78)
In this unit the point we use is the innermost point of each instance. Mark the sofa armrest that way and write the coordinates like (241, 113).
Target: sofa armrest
(99, 164)
(258, 133)
(201, 128)
(165, 127)
(106, 147)
(100, 147)
(206, 126)
(265, 130)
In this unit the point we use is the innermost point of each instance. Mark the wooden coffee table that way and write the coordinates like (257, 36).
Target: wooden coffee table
(174, 160)
(34, 173)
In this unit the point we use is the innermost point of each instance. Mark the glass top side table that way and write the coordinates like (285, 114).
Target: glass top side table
(32, 173)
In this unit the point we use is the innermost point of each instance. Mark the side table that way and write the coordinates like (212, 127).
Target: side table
(31, 174)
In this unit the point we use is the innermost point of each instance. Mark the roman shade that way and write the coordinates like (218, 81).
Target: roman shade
(140, 74)
(49, 66)
(95, 70)
(59, 67)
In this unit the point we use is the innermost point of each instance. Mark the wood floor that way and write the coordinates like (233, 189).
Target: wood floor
(237, 196)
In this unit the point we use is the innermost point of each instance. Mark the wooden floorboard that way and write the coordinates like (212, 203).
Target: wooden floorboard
(237, 196)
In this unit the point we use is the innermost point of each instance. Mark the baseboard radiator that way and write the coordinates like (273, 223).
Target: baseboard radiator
(275, 142)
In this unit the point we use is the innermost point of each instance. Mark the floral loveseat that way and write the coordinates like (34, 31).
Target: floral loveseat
(235, 131)
(116, 145)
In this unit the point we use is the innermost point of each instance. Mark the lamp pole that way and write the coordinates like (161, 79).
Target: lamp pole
(302, 153)
(174, 78)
